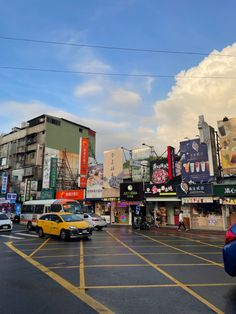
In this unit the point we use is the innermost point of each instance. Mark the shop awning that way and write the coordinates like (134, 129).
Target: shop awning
(163, 199)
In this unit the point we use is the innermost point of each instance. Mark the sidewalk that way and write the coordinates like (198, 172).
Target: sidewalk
(193, 231)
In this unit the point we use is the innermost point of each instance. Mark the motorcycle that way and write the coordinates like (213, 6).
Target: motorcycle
(141, 223)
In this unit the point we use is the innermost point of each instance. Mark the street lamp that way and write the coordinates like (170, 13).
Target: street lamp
(152, 149)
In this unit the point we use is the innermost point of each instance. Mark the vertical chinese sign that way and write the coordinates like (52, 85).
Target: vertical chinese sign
(53, 173)
(83, 164)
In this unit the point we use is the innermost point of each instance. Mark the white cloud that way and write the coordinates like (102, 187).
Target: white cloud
(88, 89)
(125, 98)
(177, 115)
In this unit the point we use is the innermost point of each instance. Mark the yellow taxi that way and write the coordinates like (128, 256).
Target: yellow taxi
(63, 225)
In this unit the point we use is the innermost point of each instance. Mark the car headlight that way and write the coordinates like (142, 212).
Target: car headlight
(72, 227)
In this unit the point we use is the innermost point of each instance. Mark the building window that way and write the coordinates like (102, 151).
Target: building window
(53, 121)
(80, 130)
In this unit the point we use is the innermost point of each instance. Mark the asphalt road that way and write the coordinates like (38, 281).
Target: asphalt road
(119, 270)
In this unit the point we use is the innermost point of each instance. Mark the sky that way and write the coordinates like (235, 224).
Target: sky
(179, 62)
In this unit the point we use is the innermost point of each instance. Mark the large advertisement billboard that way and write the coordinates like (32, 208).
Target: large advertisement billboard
(95, 181)
(227, 135)
(113, 168)
(195, 163)
(140, 165)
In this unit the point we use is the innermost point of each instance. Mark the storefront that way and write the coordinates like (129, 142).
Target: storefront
(162, 199)
(201, 206)
(131, 204)
(227, 195)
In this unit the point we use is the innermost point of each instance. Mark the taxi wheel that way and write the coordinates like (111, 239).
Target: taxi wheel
(63, 235)
(29, 226)
(41, 233)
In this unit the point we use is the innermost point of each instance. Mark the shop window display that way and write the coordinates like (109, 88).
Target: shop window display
(206, 215)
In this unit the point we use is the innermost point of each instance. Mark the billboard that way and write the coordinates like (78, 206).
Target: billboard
(159, 171)
(194, 160)
(227, 136)
(95, 181)
(140, 164)
(83, 164)
(113, 168)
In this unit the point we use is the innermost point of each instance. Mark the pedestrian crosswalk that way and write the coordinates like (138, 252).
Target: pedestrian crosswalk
(19, 235)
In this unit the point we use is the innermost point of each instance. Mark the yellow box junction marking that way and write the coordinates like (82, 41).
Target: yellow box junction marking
(166, 274)
(82, 279)
(185, 252)
(97, 306)
(39, 248)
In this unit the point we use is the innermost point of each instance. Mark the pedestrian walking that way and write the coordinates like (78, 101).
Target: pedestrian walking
(181, 221)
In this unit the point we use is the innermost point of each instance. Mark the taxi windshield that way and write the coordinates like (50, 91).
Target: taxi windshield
(71, 218)
(72, 207)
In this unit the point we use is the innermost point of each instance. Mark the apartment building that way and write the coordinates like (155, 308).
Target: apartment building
(26, 153)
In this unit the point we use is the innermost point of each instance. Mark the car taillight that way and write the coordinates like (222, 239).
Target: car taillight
(230, 236)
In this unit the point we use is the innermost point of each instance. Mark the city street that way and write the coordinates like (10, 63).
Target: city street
(120, 270)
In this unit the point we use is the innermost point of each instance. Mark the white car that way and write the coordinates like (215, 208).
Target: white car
(5, 223)
(95, 220)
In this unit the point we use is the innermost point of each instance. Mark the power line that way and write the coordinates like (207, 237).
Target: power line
(115, 74)
(74, 44)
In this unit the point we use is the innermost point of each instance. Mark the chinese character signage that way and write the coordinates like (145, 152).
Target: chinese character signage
(159, 190)
(225, 190)
(113, 168)
(227, 135)
(184, 189)
(159, 171)
(83, 165)
(53, 173)
(4, 183)
(194, 159)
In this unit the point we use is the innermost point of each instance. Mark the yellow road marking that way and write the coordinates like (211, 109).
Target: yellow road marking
(205, 243)
(188, 253)
(163, 286)
(179, 283)
(74, 255)
(97, 306)
(82, 279)
(126, 265)
(39, 248)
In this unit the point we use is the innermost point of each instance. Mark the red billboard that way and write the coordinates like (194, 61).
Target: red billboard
(83, 164)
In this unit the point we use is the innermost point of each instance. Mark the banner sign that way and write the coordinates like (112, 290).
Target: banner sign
(159, 190)
(83, 165)
(225, 190)
(131, 191)
(171, 162)
(184, 189)
(195, 164)
(70, 194)
(53, 173)
(4, 183)
(27, 190)
(47, 194)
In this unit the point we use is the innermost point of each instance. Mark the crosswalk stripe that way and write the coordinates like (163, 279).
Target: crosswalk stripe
(27, 234)
(10, 236)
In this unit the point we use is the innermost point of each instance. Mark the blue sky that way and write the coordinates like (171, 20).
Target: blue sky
(123, 110)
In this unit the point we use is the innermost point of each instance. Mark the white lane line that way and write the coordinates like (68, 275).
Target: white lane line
(28, 235)
(10, 237)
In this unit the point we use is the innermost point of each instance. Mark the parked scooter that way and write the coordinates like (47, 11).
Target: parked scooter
(141, 223)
